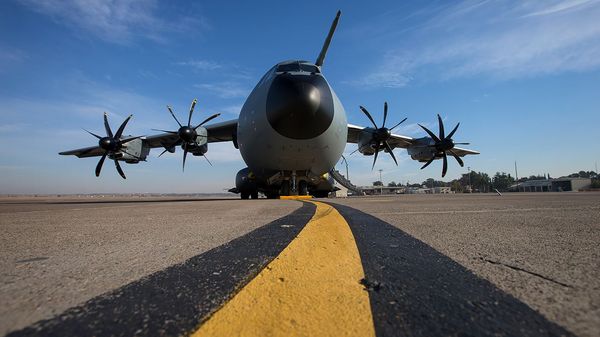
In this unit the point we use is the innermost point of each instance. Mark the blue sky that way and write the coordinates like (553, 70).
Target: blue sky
(521, 77)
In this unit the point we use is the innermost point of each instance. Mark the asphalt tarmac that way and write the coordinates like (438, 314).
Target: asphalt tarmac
(520, 264)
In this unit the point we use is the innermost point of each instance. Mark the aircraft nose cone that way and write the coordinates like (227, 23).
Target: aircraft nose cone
(300, 106)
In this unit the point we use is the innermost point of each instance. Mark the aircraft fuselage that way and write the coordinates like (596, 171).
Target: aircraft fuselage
(292, 122)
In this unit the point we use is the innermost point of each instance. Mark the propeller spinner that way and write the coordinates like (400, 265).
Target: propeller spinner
(382, 134)
(187, 133)
(443, 145)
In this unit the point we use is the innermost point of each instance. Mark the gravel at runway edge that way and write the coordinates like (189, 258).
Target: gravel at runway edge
(417, 291)
(174, 301)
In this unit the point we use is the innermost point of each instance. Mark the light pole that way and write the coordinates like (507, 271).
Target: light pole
(381, 181)
(470, 186)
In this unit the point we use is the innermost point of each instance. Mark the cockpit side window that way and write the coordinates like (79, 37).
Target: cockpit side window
(309, 68)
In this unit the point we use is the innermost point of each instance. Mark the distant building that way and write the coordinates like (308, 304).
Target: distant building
(553, 185)
(373, 190)
(442, 190)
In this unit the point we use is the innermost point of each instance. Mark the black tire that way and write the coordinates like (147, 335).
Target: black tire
(285, 187)
(254, 195)
(303, 188)
(321, 194)
(245, 196)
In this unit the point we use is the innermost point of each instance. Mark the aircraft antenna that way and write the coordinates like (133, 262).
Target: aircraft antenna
(321, 57)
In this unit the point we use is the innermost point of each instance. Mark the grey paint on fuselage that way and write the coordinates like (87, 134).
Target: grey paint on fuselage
(266, 150)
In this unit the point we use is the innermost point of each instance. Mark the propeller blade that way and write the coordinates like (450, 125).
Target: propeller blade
(173, 114)
(93, 134)
(163, 152)
(441, 124)
(192, 111)
(429, 162)
(177, 142)
(453, 131)
(462, 143)
(389, 148)
(457, 157)
(207, 160)
(369, 116)
(208, 120)
(431, 134)
(445, 165)
(165, 131)
(100, 163)
(395, 126)
(385, 108)
(128, 139)
(375, 157)
(119, 169)
(122, 127)
(107, 127)
(185, 152)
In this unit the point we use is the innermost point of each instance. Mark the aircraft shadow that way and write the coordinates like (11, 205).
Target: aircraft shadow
(416, 290)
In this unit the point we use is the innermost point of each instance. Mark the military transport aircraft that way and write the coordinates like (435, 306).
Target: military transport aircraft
(291, 132)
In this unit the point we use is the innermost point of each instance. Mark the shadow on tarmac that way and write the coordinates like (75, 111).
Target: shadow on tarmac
(417, 291)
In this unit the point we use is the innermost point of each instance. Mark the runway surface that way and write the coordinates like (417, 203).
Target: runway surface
(520, 264)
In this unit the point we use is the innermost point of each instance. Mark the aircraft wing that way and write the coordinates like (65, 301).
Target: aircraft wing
(218, 132)
(463, 152)
(92, 151)
(354, 132)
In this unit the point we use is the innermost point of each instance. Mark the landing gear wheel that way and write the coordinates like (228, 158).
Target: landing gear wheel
(285, 187)
(272, 195)
(321, 194)
(303, 188)
(254, 195)
(245, 195)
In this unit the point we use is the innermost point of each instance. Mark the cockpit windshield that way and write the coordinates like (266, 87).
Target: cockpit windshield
(297, 67)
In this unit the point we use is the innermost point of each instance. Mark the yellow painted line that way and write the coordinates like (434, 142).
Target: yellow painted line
(311, 289)
(295, 197)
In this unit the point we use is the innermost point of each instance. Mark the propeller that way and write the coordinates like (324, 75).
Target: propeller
(443, 145)
(186, 133)
(382, 134)
(112, 144)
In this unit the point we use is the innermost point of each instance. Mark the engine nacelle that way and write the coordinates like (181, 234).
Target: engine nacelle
(245, 181)
(198, 150)
(133, 152)
(421, 150)
(366, 143)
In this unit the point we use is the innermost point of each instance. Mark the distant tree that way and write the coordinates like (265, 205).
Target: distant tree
(502, 181)
(392, 184)
(377, 183)
(480, 181)
(431, 183)
(456, 186)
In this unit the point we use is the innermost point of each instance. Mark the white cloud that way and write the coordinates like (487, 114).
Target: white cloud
(10, 56)
(225, 89)
(201, 64)
(494, 40)
(114, 21)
